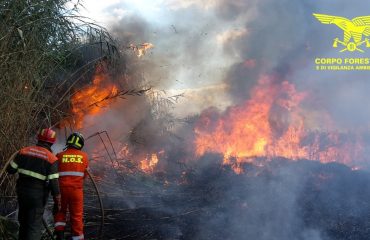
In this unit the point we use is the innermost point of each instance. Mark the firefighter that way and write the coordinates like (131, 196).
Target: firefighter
(73, 165)
(37, 175)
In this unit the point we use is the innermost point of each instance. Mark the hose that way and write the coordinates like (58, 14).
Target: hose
(100, 232)
(50, 233)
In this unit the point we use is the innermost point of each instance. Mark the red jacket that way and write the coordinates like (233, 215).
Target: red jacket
(72, 166)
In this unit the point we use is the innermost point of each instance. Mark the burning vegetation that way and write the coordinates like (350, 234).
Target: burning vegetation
(89, 100)
(272, 123)
(267, 160)
(248, 168)
(267, 166)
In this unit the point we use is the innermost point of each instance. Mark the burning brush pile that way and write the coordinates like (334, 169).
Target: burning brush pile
(258, 170)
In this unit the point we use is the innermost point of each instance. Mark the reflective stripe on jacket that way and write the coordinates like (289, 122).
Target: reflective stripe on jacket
(72, 165)
(37, 163)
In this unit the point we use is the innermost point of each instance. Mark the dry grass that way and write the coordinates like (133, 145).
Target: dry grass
(43, 46)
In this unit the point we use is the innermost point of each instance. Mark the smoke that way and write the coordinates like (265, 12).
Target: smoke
(302, 200)
(276, 46)
(215, 51)
(245, 207)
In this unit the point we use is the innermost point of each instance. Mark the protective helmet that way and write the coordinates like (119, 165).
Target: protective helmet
(47, 135)
(76, 140)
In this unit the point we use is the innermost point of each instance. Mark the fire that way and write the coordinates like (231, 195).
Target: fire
(270, 124)
(145, 161)
(141, 49)
(90, 100)
(149, 163)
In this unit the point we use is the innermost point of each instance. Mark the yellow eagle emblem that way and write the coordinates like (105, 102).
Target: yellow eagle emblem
(353, 29)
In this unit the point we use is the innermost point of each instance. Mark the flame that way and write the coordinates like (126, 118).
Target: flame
(149, 163)
(141, 49)
(91, 100)
(144, 160)
(270, 124)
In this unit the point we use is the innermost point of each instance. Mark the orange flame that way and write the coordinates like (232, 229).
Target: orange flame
(146, 162)
(149, 163)
(270, 124)
(90, 100)
(141, 49)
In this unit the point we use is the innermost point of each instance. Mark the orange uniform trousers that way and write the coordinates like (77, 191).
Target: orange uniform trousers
(72, 200)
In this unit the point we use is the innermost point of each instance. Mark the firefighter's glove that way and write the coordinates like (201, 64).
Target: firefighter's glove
(57, 204)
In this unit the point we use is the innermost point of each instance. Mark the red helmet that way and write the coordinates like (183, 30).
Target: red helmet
(47, 135)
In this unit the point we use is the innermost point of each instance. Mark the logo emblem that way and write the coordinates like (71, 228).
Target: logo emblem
(353, 31)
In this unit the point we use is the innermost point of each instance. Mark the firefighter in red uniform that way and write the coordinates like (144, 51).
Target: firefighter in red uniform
(38, 174)
(72, 166)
